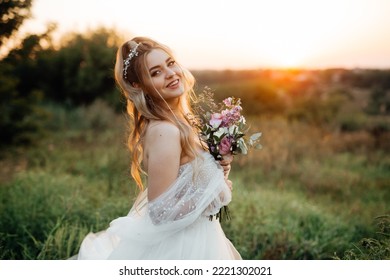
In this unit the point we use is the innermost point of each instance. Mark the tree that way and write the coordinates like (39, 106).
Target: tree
(20, 95)
(74, 74)
(12, 14)
(81, 70)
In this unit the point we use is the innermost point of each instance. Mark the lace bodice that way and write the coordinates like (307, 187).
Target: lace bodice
(202, 192)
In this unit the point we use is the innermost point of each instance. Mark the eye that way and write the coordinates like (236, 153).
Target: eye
(171, 63)
(155, 73)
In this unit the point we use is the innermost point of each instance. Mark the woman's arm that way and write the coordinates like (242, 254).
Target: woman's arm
(226, 165)
(163, 150)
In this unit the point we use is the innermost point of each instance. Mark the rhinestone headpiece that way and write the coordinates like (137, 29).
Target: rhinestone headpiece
(126, 62)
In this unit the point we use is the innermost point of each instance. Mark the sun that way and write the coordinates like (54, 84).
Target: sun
(287, 57)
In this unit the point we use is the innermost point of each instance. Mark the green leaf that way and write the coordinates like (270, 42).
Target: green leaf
(242, 146)
(258, 146)
(255, 136)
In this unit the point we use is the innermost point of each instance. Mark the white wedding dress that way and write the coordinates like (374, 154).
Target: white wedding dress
(175, 225)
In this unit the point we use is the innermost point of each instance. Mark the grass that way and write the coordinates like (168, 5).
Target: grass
(306, 195)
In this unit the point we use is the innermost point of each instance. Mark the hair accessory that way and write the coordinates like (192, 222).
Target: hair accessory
(126, 62)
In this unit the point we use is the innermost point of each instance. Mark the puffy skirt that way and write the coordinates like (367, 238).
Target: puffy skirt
(202, 240)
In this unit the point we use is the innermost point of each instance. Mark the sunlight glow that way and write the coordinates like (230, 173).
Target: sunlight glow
(240, 34)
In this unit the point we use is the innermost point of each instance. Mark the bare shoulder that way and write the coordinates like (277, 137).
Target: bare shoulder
(162, 129)
(162, 143)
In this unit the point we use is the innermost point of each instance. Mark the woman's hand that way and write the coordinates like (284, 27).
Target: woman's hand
(226, 164)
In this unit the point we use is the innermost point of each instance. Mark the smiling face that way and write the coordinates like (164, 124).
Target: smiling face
(166, 75)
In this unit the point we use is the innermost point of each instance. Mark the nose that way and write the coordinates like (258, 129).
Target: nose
(170, 73)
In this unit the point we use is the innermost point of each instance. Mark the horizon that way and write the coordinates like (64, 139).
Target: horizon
(222, 35)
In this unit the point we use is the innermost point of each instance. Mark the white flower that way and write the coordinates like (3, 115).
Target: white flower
(216, 120)
(221, 131)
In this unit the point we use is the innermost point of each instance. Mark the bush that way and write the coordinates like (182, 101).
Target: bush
(373, 248)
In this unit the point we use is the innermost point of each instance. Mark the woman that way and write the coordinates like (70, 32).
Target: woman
(185, 185)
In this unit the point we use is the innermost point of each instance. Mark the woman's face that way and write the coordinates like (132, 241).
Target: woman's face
(166, 75)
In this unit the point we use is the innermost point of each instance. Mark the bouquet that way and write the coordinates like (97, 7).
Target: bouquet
(223, 128)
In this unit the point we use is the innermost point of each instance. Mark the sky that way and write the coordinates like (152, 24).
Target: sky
(239, 34)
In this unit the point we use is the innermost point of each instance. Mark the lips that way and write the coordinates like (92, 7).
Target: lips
(173, 84)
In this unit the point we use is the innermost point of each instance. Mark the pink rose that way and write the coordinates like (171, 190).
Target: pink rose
(225, 145)
(216, 120)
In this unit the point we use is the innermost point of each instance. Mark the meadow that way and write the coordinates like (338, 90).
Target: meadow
(312, 192)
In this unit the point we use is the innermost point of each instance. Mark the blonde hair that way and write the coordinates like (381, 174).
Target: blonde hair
(143, 107)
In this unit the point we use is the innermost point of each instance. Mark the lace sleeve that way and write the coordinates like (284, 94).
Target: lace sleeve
(191, 195)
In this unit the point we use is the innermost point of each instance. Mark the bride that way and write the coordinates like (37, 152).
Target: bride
(185, 185)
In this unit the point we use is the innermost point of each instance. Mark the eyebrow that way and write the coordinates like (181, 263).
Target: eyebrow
(158, 66)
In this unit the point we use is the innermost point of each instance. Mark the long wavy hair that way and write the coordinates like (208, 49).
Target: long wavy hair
(142, 107)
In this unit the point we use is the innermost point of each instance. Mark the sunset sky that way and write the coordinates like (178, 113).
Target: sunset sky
(216, 34)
